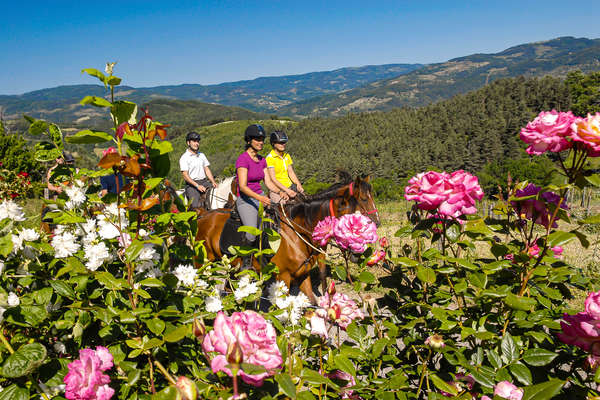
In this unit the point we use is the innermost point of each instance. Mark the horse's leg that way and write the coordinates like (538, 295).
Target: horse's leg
(285, 277)
(322, 273)
(306, 288)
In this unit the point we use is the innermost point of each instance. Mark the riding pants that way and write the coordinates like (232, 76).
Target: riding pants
(196, 198)
(276, 198)
(248, 209)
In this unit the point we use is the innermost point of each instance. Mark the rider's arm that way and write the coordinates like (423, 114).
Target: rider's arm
(271, 184)
(295, 179)
(242, 174)
(209, 175)
(280, 187)
(51, 186)
(186, 177)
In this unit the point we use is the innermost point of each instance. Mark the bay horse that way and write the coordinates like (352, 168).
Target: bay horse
(297, 253)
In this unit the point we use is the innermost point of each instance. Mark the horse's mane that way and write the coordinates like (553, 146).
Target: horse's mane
(309, 206)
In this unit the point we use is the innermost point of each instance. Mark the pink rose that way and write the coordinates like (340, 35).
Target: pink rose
(85, 379)
(340, 308)
(377, 257)
(110, 150)
(534, 250)
(557, 250)
(451, 195)
(548, 132)
(592, 305)
(317, 323)
(428, 189)
(581, 330)
(256, 338)
(355, 231)
(587, 131)
(324, 230)
(507, 390)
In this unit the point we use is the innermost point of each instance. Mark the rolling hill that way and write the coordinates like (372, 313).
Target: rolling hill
(267, 94)
(441, 81)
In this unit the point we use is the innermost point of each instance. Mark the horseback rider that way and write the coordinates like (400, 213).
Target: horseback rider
(251, 170)
(196, 173)
(114, 182)
(280, 168)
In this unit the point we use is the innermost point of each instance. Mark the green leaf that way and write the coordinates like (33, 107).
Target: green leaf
(594, 219)
(38, 127)
(543, 391)
(453, 232)
(520, 302)
(367, 277)
(494, 358)
(177, 334)
(133, 251)
(344, 364)
(168, 393)
(593, 180)
(63, 289)
(124, 111)
(88, 136)
(426, 274)
(14, 392)
(539, 357)
(443, 385)
(560, 238)
(95, 101)
(250, 229)
(315, 378)
(151, 282)
(6, 245)
(94, 72)
(477, 279)
(340, 271)
(113, 80)
(24, 361)
(521, 372)
(286, 385)
(253, 369)
(510, 351)
(156, 326)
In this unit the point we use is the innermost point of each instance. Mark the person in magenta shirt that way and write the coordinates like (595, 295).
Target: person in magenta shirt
(251, 170)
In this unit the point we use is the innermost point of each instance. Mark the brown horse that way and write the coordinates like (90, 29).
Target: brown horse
(297, 253)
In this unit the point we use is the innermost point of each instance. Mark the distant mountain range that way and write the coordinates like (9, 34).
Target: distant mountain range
(436, 82)
(329, 93)
(61, 104)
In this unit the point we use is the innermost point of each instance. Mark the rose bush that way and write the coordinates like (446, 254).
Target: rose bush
(468, 306)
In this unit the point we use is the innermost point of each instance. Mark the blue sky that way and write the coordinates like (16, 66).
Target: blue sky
(47, 43)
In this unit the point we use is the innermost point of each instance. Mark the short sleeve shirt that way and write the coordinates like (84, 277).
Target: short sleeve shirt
(280, 165)
(108, 183)
(256, 171)
(194, 164)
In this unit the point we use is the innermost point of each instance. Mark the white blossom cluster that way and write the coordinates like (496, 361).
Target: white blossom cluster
(186, 274)
(213, 304)
(26, 235)
(278, 295)
(65, 245)
(96, 255)
(148, 260)
(10, 209)
(245, 288)
(76, 194)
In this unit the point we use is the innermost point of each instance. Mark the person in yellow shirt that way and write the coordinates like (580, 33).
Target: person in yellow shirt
(279, 165)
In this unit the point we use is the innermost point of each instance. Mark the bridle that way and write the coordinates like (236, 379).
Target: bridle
(360, 206)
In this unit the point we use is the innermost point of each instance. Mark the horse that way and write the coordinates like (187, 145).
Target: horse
(223, 195)
(297, 253)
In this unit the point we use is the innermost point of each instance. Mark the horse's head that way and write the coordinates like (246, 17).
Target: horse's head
(359, 197)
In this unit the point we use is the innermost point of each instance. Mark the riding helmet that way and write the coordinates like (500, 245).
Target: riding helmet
(278, 137)
(254, 131)
(192, 136)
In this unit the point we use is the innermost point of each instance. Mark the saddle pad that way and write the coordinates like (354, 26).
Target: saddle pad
(230, 235)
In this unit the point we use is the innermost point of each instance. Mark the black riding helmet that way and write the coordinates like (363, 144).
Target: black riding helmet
(192, 136)
(278, 137)
(254, 131)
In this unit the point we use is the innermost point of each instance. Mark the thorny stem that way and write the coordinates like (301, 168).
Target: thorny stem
(151, 374)
(5, 342)
(423, 373)
(164, 372)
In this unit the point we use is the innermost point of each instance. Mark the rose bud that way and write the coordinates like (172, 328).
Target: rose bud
(199, 329)
(331, 288)
(186, 388)
(435, 341)
(235, 356)
(384, 242)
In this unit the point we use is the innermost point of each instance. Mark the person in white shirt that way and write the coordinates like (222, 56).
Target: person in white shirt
(196, 173)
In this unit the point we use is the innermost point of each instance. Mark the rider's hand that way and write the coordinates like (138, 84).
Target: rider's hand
(265, 200)
(290, 193)
(300, 189)
(214, 184)
(201, 188)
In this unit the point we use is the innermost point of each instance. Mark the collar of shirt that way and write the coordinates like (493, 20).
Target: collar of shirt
(275, 154)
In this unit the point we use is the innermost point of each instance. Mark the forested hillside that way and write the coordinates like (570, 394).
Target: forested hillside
(440, 81)
(477, 132)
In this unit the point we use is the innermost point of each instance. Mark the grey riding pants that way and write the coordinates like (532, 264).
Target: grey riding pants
(248, 210)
